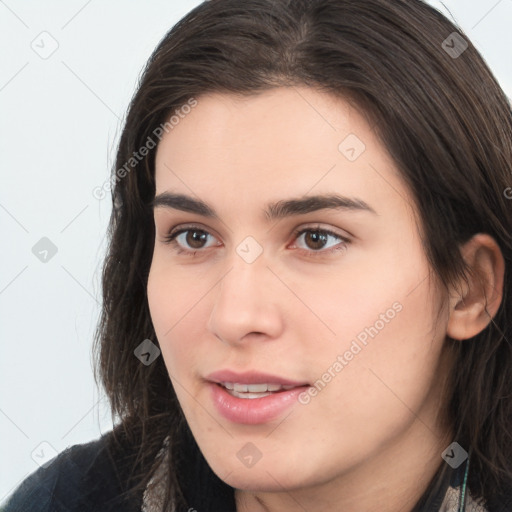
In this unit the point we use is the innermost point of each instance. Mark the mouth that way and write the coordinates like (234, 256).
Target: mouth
(252, 397)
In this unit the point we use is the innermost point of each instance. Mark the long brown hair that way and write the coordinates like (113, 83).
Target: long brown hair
(440, 113)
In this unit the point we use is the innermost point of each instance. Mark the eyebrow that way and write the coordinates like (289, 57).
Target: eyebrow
(273, 211)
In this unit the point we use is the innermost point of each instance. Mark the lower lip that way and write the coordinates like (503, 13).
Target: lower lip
(252, 411)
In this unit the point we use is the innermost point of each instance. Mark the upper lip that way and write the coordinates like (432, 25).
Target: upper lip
(251, 377)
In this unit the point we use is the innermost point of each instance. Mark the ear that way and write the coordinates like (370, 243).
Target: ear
(474, 303)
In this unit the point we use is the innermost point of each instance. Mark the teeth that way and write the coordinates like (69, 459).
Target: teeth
(254, 388)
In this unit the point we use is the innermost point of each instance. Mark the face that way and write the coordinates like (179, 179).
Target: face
(304, 267)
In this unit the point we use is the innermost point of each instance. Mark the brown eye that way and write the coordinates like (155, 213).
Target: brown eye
(316, 239)
(189, 240)
(196, 238)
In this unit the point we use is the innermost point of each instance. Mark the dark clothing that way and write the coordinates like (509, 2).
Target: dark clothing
(85, 478)
(81, 478)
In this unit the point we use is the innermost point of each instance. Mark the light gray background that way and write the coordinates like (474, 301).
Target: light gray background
(61, 115)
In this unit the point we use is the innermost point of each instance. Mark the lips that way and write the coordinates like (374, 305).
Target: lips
(252, 377)
(252, 397)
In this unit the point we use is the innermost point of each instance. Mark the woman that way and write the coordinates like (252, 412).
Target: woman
(307, 295)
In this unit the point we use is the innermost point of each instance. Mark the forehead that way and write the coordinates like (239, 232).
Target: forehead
(287, 141)
(279, 121)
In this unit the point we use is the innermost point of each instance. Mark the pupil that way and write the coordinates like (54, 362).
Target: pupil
(318, 239)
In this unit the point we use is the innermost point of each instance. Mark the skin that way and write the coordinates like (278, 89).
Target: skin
(372, 438)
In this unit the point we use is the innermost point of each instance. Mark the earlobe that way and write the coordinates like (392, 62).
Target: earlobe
(473, 303)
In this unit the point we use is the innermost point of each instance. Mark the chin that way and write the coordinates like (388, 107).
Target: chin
(266, 482)
(262, 477)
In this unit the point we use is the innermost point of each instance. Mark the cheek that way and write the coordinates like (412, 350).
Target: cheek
(170, 302)
(392, 369)
(367, 283)
(387, 346)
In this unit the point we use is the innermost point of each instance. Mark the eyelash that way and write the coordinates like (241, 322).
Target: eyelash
(170, 239)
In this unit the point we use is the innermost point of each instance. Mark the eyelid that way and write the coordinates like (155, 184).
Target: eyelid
(188, 226)
(318, 227)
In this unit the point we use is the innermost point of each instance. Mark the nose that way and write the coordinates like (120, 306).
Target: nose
(246, 302)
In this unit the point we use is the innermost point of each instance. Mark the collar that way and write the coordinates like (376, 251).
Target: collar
(457, 497)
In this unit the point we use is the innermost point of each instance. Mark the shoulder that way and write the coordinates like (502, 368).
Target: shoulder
(81, 478)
